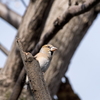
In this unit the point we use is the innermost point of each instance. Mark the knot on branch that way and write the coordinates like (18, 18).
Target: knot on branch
(29, 57)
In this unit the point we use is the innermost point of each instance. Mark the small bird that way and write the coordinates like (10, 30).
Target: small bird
(44, 57)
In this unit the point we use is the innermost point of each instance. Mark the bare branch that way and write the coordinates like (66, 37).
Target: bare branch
(10, 16)
(4, 50)
(35, 75)
(24, 3)
(61, 21)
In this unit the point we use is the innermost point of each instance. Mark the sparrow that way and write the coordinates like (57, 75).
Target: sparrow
(44, 58)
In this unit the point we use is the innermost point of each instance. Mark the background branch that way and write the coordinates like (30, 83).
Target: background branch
(24, 3)
(4, 50)
(10, 16)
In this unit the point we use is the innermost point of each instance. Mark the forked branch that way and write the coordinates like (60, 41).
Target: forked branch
(4, 50)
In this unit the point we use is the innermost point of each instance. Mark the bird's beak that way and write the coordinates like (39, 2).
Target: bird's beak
(53, 48)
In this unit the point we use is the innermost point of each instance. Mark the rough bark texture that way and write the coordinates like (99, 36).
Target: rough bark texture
(66, 40)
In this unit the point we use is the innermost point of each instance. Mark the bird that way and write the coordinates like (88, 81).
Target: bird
(44, 58)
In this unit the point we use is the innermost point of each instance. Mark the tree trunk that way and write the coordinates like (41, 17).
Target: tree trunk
(66, 40)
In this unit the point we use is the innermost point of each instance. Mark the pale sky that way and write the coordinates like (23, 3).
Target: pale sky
(84, 69)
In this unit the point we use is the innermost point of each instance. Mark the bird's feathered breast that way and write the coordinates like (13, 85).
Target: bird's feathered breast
(43, 60)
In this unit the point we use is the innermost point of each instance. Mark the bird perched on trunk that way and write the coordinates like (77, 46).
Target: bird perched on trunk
(44, 57)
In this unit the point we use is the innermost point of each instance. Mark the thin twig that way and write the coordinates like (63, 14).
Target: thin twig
(4, 50)
(24, 3)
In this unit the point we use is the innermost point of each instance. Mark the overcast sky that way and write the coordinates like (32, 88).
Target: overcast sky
(84, 69)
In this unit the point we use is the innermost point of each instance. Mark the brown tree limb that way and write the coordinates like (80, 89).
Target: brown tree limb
(61, 21)
(37, 83)
(4, 50)
(10, 16)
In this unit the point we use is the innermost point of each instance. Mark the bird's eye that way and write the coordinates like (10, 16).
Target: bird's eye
(49, 47)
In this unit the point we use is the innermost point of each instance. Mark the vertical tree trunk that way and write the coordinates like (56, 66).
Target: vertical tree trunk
(66, 40)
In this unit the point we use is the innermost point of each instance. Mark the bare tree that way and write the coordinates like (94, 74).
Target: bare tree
(64, 25)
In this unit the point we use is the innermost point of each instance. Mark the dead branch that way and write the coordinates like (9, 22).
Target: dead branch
(4, 50)
(35, 75)
(10, 16)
